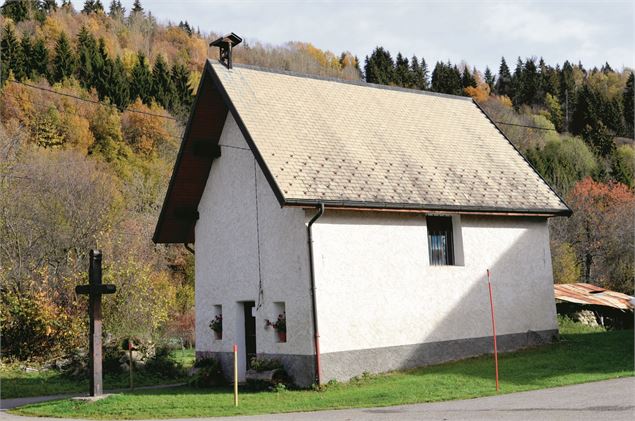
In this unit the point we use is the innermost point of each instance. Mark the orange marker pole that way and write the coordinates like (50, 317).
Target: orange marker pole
(235, 375)
(491, 304)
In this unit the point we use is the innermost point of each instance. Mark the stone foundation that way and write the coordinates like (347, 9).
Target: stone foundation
(299, 367)
(343, 365)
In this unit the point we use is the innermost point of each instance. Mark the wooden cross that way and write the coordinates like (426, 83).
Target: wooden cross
(94, 290)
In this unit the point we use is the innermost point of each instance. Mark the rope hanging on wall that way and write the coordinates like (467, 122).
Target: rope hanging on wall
(261, 293)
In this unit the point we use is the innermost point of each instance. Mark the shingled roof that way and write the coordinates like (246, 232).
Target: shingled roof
(357, 145)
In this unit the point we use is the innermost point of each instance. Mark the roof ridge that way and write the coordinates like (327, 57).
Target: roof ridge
(338, 80)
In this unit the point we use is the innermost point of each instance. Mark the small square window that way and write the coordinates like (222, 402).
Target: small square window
(440, 244)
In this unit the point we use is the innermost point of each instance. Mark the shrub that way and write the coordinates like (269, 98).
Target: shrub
(567, 326)
(112, 356)
(265, 364)
(163, 365)
(35, 328)
(279, 387)
(208, 373)
(75, 365)
(364, 377)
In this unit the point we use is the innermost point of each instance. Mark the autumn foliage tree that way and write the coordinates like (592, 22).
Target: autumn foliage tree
(600, 232)
(145, 131)
(566, 268)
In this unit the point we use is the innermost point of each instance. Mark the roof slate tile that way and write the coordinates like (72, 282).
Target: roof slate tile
(349, 142)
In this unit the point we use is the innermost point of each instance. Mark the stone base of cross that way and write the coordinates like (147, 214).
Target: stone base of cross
(94, 290)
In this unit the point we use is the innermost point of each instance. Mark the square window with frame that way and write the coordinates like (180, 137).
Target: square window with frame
(440, 241)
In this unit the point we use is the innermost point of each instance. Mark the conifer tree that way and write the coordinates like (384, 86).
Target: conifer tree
(543, 74)
(446, 79)
(27, 54)
(86, 53)
(49, 6)
(141, 80)
(12, 56)
(581, 67)
(454, 79)
(612, 113)
(567, 84)
(489, 78)
(102, 70)
(118, 89)
(402, 72)
(379, 67)
(418, 77)
(586, 104)
(88, 6)
(186, 27)
(551, 83)
(354, 57)
(137, 8)
(184, 95)
(162, 87)
(504, 83)
(40, 59)
(467, 79)
(529, 86)
(629, 106)
(63, 61)
(17, 10)
(438, 77)
(517, 83)
(342, 59)
(116, 10)
(594, 118)
(92, 6)
(426, 74)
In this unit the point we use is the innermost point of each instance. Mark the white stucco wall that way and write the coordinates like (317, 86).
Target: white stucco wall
(227, 255)
(375, 287)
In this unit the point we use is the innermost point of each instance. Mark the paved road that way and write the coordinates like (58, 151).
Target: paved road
(14, 403)
(608, 400)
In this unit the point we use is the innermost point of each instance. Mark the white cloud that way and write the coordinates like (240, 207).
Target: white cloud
(479, 32)
(524, 22)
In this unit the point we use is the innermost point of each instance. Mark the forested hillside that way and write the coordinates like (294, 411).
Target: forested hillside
(93, 105)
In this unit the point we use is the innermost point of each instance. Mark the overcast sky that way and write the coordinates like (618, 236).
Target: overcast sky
(479, 32)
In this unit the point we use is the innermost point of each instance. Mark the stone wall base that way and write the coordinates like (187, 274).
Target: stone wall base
(299, 367)
(341, 366)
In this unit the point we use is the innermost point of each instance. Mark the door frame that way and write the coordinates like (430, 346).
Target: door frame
(241, 336)
(249, 308)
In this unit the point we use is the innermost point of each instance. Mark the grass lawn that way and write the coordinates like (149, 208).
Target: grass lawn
(583, 355)
(16, 383)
